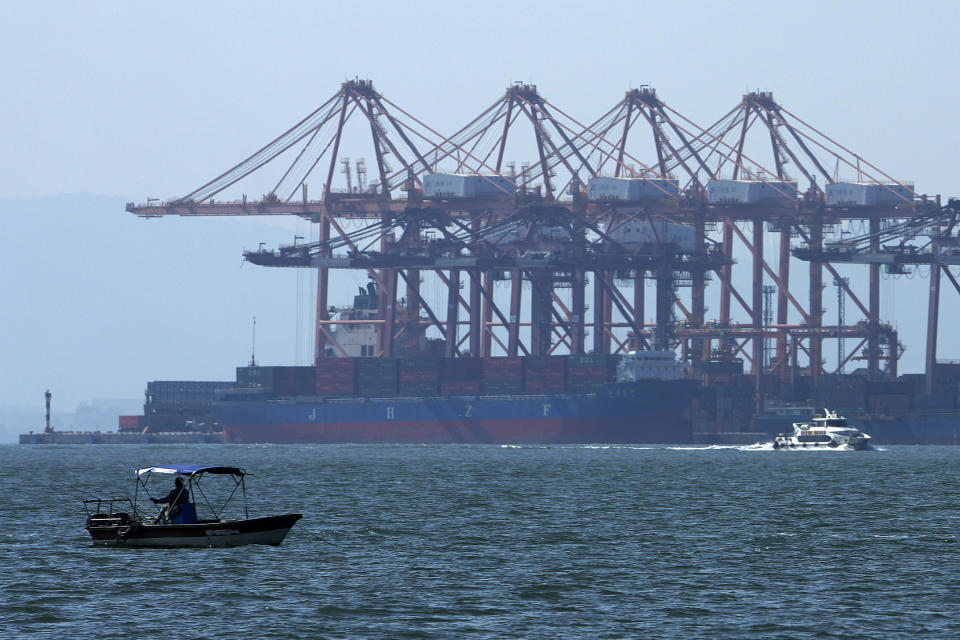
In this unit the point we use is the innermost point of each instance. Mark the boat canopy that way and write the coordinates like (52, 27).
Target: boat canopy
(191, 469)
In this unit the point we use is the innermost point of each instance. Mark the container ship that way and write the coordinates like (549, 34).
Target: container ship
(354, 396)
(640, 397)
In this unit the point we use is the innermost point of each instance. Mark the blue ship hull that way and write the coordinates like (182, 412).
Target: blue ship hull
(653, 411)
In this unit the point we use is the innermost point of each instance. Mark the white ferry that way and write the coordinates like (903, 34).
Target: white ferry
(828, 430)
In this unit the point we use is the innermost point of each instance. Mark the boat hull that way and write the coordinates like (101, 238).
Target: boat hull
(270, 530)
(779, 443)
(648, 412)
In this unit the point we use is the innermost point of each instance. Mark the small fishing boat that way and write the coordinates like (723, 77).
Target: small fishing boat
(827, 431)
(124, 522)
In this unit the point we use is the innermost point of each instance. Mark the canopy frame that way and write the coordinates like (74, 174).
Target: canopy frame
(193, 474)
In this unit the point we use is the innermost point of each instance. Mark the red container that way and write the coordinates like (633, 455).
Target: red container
(130, 422)
(338, 365)
(509, 368)
(336, 377)
(546, 363)
(544, 385)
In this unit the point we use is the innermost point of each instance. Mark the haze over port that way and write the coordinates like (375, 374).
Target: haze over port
(136, 102)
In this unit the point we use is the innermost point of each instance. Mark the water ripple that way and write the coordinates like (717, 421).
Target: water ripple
(504, 542)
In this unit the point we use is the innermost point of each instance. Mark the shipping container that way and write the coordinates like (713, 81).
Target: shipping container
(589, 373)
(888, 387)
(129, 422)
(418, 364)
(336, 377)
(502, 368)
(889, 404)
(545, 366)
(418, 376)
(377, 388)
(541, 385)
(264, 378)
(592, 360)
(730, 367)
(503, 387)
(376, 364)
(935, 403)
(462, 387)
(545, 374)
(418, 389)
(377, 377)
(190, 392)
(584, 385)
(461, 369)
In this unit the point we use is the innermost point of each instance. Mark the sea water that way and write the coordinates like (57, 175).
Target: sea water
(501, 542)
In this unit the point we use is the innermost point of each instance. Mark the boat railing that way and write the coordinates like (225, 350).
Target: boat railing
(109, 503)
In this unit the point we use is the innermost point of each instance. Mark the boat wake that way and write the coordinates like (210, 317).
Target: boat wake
(577, 446)
(711, 447)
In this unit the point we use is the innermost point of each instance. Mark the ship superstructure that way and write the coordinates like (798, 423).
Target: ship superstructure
(354, 334)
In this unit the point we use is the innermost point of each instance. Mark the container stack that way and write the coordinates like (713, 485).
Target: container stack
(377, 377)
(840, 393)
(942, 400)
(275, 380)
(418, 376)
(888, 397)
(545, 374)
(175, 405)
(503, 375)
(131, 423)
(301, 381)
(185, 393)
(460, 376)
(586, 373)
(337, 377)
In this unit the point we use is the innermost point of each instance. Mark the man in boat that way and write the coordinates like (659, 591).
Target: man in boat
(173, 500)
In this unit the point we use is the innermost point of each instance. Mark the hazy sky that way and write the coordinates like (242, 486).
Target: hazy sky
(137, 100)
(147, 99)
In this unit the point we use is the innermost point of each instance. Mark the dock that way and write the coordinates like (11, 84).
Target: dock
(116, 437)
